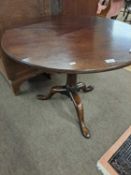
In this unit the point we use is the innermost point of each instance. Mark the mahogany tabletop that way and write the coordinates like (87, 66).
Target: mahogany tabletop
(71, 45)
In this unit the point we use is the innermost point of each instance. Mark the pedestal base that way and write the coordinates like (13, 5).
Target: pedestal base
(71, 90)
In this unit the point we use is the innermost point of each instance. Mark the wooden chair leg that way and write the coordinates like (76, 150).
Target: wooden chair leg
(126, 16)
(125, 9)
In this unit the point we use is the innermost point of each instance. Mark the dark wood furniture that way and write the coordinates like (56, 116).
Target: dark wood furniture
(71, 46)
(17, 13)
(79, 7)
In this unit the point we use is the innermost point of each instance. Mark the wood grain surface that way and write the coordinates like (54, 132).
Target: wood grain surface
(71, 45)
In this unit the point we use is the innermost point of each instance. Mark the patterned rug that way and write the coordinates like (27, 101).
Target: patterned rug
(117, 160)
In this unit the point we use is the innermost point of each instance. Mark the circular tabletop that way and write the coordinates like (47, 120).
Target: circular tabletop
(71, 45)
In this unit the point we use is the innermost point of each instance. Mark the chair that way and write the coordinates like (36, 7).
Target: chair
(14, 14)
(127, 9)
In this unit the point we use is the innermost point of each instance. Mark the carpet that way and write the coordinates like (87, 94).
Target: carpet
(43, 137)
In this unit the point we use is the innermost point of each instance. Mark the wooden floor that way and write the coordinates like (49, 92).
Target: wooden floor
(128, 68)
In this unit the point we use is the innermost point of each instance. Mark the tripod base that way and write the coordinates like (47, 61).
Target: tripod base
(71, 90)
